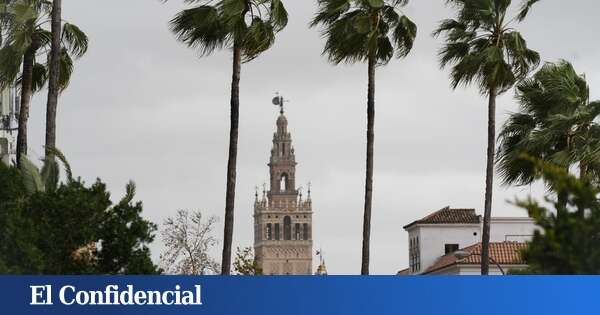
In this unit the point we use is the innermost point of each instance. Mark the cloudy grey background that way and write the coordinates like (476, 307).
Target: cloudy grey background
(142, 106)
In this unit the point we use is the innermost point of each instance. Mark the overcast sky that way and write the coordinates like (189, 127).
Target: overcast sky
(142, 106)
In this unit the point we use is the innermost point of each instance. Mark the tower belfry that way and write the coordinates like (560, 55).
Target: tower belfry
(282, 219)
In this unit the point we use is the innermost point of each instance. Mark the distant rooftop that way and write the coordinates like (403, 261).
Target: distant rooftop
(505, 253)
(449, 216)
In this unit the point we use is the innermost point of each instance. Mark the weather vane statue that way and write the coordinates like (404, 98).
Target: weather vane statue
(278, 100)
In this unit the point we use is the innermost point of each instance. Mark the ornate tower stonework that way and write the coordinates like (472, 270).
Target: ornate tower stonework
(282, 219)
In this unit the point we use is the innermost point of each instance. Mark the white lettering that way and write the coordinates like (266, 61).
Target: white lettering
(41, 291)
(62, 295)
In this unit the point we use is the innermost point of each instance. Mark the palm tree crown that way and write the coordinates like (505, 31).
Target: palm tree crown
(23, 28)
(357, 29)
(248, 24)
(556, 123)
(483, 48)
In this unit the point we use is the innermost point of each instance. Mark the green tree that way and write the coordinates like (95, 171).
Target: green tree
(18, 253)
(124, 236)
(22, 23)
(248, 27)
(567, 243)
(245, 263)
(52, 227)
(556, 123)
(483, 47)
(370, 31)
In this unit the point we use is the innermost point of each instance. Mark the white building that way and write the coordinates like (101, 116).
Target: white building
(8, 125)
(434, 239)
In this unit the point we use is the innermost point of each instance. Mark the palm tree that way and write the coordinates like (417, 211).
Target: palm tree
(248, 28)
(556, 123)
(67, 41)
(483, 48)
(53, 76)
(23, 35)
(371, 31)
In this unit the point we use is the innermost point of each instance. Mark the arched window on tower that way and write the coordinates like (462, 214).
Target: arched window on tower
(287, 228)
(277, 231)
(306, 232)
(297, 232)
(283, 182)
(269, 231)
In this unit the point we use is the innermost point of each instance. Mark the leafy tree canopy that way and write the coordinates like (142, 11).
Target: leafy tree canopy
(245, 262)
(70, 228)
(568, 243)
(556, 123)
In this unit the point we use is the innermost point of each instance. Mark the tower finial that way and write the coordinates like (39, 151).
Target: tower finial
(278, 100)
(256, 193)
(309, 185)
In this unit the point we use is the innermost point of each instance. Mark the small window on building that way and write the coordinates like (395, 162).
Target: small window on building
(414, 255)
(450, 248)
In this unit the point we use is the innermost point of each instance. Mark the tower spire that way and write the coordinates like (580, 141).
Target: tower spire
(278, 100)
(283, 220)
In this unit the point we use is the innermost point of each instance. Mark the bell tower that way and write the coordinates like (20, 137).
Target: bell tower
(282, 218)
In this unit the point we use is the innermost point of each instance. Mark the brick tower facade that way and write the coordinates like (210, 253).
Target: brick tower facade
(282, 219)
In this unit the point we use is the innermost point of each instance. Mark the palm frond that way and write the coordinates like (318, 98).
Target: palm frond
(50, 174)
(279, 16)
(527, 4)
(32, 179)
(61, 157)
(66, 69)
(74, 40)
(404, 36)
(200, 27)
(10, 65)
(260, 36)
(39, 77)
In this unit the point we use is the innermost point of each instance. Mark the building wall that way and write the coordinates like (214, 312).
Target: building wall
(434, 237)
(8, 122)
(511, 229)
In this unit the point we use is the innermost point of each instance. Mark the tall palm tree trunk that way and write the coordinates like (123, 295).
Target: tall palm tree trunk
(369, 169)
(54, 73)
(489, 183)
(26, 93)
(232, 162)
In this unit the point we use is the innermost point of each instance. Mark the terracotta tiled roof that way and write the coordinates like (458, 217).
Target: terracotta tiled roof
(504, 253)
(403, 272)
(449, 216)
